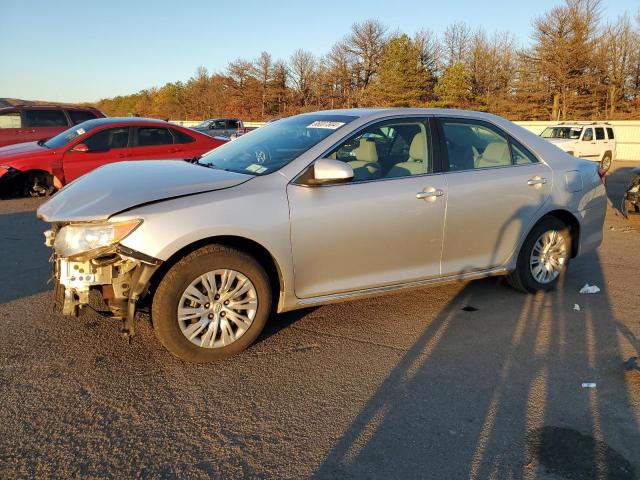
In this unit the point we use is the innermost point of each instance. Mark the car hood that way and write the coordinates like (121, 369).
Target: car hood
(21, 150)
(120, 186)
(561, 141)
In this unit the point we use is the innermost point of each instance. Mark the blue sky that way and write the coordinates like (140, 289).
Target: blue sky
(72, 50)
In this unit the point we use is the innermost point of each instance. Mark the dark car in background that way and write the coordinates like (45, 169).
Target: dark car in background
(225, 127)
(29, 123)
(37, 168)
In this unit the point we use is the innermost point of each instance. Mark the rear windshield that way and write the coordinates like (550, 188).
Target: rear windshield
(71, 134)
(572, 133)
(273, 146)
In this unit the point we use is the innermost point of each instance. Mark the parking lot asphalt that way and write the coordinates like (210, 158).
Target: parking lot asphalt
(408, 385)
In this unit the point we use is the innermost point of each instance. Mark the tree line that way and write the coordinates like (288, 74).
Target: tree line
(576, 67)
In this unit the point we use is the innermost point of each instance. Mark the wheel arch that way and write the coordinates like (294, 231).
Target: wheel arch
(570, 220)
(251, 247)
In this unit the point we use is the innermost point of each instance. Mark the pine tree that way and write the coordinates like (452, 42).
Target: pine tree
(402, 79)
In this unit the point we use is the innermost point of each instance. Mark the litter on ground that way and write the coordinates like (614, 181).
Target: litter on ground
(589, 289)
(588, 385)
(576, 307)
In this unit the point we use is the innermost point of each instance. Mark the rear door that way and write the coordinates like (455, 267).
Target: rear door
(105, 146)
(495, 187)
(42, 124)
(153, 142)
(10, 125)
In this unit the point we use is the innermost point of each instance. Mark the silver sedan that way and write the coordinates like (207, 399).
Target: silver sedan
(319, 208)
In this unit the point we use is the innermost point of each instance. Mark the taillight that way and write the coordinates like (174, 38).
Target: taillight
(602, 173)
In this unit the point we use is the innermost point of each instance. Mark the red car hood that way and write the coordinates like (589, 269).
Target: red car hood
(23, 150)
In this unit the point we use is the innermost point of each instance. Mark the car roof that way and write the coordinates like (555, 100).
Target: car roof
(383, 112)
(97, 122)
(57, 107)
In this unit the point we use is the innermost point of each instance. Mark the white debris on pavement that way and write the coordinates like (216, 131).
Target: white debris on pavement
(589, 289)
(588, 385)
(576, 307)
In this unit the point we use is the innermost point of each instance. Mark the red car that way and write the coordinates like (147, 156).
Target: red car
(30, 123)
(38, 168)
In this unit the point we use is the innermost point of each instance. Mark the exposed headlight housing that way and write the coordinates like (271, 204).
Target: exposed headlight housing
(82, 238)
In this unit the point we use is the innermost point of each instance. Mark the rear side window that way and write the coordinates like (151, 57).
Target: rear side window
(610, 133)
(79, 116)
(471, 145)
(181, 137)
(149, 136)
(599, 133)
(107, 139)
(45, 118)
(232, 123)
(10, 120)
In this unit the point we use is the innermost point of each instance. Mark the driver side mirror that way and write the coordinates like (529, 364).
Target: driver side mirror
(328, 170)
(81, 147)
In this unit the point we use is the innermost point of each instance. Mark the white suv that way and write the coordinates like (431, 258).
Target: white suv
(593, 141)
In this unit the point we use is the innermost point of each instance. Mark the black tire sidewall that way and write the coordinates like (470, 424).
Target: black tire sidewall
(169, 291)
(523, 270)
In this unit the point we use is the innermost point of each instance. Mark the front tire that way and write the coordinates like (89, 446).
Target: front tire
(605, 163)
(543, 258)
(211, 304)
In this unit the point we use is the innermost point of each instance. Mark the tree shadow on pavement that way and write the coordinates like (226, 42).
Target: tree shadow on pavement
(523, 368)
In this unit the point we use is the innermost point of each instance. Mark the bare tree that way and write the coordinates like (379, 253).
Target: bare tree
(366, 43)
(302, 64)
(457, 40)
(262, 68)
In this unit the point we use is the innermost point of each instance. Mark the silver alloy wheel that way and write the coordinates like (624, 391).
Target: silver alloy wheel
(548, 256)
(605, 164)
(217, 308)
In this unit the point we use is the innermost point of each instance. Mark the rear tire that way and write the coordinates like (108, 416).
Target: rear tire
(605, 163)
(38, 184)
(196, 320)
(543, 258)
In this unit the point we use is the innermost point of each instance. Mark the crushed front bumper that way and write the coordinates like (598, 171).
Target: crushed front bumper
(121, 276)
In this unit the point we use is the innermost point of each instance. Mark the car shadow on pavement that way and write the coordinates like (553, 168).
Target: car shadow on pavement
(537, 417)
(24, 266)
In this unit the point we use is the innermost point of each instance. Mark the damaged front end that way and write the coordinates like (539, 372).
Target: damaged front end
(89, 257)
(631, 197)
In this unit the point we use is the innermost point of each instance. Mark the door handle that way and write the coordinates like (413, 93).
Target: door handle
(536, 181)
(430, 195)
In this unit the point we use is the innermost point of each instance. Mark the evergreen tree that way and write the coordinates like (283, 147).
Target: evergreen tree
(402, 79)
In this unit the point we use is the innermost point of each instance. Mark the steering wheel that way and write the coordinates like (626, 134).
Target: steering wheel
(261, 154)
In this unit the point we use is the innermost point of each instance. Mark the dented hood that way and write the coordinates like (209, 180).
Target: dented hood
(123, 185)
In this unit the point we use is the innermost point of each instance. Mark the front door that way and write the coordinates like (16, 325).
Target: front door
(105, 146)
(383, 228)
(587, 146)
(496, 186)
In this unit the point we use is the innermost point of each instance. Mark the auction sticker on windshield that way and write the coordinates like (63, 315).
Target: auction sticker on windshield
(325, 124)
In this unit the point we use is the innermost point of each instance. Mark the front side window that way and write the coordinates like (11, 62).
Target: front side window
(232, 124)
(273, 146)
(45, 118)
(389, 149)
(107, 139)
(588, 135)
(571, 133)
(150, 136)
(10, 120)
(471, 145)
(79, 116)
(218, 125)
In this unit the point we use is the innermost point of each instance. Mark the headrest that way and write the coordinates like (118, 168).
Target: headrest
(496, 153)
(366, 151)
(417, 150)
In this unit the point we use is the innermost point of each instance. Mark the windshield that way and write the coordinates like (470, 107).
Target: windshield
(71, 134)
(204, 124)
(271, 147)
(572, 133)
